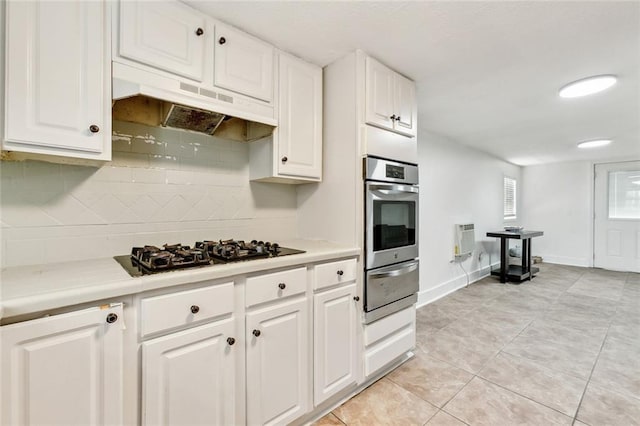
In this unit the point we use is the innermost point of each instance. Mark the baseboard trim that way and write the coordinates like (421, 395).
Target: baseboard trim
(432, 294)
(566, 260)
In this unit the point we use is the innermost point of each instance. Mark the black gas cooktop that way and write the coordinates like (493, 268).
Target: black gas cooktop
(151, 259)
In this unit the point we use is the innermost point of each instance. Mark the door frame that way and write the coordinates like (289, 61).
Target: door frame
(592, 204)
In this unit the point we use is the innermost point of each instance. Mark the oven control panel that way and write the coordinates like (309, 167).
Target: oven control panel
(395, 172)
(382, 170)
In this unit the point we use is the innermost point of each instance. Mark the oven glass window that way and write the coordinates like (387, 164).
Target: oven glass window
(394, 224)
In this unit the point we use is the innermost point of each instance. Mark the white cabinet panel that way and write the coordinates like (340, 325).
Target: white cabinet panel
(379, 84)
(63, 370)
(390, 99)
(299, 134)
(189, 377)
(405, 106)
(388, 338)
(277, 363)
(334, 341)
(57, 81)
(294, 153)
(277, 285)
(186, 307)
(166, 35)
(334, 273)
(243, 63)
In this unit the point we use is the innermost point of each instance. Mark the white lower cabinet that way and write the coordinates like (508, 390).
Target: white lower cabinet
(189, 377)
(278, 347)
(388, 338)
(64, 369)
(334, 331)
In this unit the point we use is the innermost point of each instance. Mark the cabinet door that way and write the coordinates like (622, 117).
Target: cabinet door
(63, 370)
(334, 341)
(243, 63)
(188, 378)
(277, 363)
(406, 106)
(299, 132)
(57, 87)
(167, 35)
(379, 94)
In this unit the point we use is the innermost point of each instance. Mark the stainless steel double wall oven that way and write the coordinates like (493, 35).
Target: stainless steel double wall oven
(391, 236)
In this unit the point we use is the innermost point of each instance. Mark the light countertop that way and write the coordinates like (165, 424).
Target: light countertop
(29, 289)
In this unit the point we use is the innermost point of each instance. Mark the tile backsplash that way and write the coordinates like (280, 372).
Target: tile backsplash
(163, 186)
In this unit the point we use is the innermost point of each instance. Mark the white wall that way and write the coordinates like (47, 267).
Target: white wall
(558, 200)
(163, 186)
(457, 185)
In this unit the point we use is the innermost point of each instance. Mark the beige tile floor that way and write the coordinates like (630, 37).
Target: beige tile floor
(561, 349)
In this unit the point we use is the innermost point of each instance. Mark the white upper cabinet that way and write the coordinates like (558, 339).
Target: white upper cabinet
(166, 35)
(390, 99)
(294, 154)
(379, 94)
(63, 370)
(405, 105)
(299, 134)
(58, 81)
(243, 64)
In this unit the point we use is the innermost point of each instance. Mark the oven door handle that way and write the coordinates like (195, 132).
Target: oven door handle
(397, 272)
(393, 189)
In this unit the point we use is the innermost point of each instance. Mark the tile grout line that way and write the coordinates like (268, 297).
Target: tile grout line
(523, 396)
(575, 417)
(526, 397)
(339, 419)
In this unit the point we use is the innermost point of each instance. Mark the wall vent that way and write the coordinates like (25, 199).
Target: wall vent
(465, 239)
(225, 98)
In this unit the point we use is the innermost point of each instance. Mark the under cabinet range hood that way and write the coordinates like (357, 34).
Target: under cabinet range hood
(143, 97)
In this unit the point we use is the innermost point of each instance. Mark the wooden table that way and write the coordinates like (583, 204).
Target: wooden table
(515, 273)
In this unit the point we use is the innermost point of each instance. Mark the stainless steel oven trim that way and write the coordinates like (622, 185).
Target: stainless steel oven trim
(385, 285)
(393, 271)
(375, 259)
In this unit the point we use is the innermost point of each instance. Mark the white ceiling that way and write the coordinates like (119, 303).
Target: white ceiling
(487, 73)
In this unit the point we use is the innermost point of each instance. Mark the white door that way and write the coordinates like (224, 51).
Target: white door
(188, 378)
(334, 341)
(277, 363)
(243, 63)
(299, 133)
(56, 88)
(617, 216)
(63, 370)
(166, 35)
(379, 94)
(405, 106)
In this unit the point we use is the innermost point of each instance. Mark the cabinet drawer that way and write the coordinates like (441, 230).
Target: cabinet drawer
(274, 286)
(333, 273)
(378, 330)
(185, 307)
(389, 349)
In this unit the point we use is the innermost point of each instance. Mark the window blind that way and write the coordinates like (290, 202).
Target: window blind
(509, 198)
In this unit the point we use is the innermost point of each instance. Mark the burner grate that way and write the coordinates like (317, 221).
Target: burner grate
(151, 259)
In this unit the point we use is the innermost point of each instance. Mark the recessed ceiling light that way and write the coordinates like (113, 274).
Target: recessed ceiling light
(587, 86)
(594, 143)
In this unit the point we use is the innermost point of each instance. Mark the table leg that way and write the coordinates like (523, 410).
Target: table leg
(504, 266)
(525, 255)
(529, 260)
